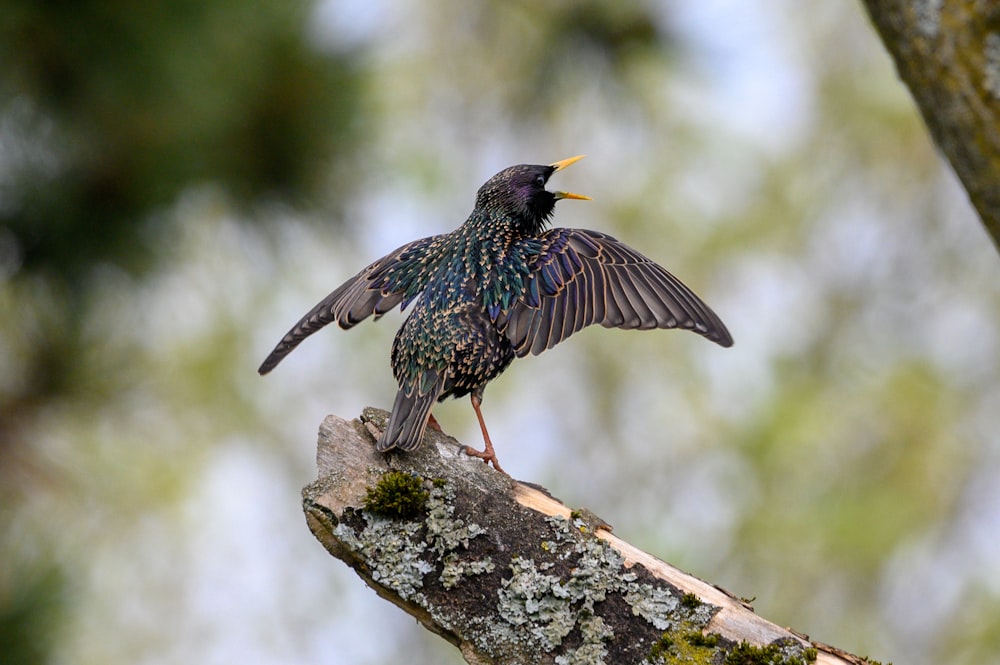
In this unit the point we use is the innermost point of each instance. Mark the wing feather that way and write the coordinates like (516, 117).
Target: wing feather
(579, 313)
(637, 299)
(651, 289)
(594, 290)
(620, 297)
(580, 278)
(378, 288)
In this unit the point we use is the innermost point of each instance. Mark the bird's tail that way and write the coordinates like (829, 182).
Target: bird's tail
(409, 413)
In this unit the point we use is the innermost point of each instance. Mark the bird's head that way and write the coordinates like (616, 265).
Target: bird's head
(518, 192)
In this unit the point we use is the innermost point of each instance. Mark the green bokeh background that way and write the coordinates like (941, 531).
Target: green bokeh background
(179, 182)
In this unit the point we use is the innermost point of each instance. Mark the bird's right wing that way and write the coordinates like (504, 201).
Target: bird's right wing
(395, 278)
(584, 277)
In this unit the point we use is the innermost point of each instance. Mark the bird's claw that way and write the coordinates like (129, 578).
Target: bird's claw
(433, 424)
(488, 456)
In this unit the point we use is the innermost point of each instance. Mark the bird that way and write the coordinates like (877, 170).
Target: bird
(503, 285)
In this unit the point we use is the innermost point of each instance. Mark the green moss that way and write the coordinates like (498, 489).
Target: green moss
(661, 649)
(690, 601)
(397, 495)
(685, 644)
(790, 653)
(749, 654)
(698, 639)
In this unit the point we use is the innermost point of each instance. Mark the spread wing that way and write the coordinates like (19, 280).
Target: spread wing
(395, 278)
(583, 277)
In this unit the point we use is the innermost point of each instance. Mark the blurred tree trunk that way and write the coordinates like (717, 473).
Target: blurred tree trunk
(948, 54)
(508, 574)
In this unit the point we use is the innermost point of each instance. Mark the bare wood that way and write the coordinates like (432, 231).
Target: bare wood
(948, 54)
(509, 574)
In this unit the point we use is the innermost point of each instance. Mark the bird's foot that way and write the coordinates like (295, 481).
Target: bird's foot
(433, 423)
(488, 456)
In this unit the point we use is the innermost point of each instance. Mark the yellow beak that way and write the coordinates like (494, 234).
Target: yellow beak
(559, 166)
(563, 163)
(571, 195)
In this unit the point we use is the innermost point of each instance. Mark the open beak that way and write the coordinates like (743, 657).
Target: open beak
(563, 163)
(559, 166)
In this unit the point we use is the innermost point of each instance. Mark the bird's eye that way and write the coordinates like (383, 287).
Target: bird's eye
(540, 180)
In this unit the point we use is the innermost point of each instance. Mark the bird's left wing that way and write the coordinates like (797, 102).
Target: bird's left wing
(583, 277)
(395, 278)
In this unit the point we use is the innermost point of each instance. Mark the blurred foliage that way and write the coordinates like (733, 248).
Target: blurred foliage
(162, 169)
(112, 112)
(134, 105)
(32, 599)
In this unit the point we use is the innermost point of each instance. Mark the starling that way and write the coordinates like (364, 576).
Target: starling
(500, 286)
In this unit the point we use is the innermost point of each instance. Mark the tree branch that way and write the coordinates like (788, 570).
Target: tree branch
(948, 54)
(509, 574)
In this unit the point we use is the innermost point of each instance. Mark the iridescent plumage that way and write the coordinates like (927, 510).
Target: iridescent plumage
(499, 287)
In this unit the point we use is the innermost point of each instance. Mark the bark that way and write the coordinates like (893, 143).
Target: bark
(948, 54)
(508, 574)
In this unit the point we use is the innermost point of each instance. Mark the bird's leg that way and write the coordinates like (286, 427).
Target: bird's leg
(487, 455)
(433, 423)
